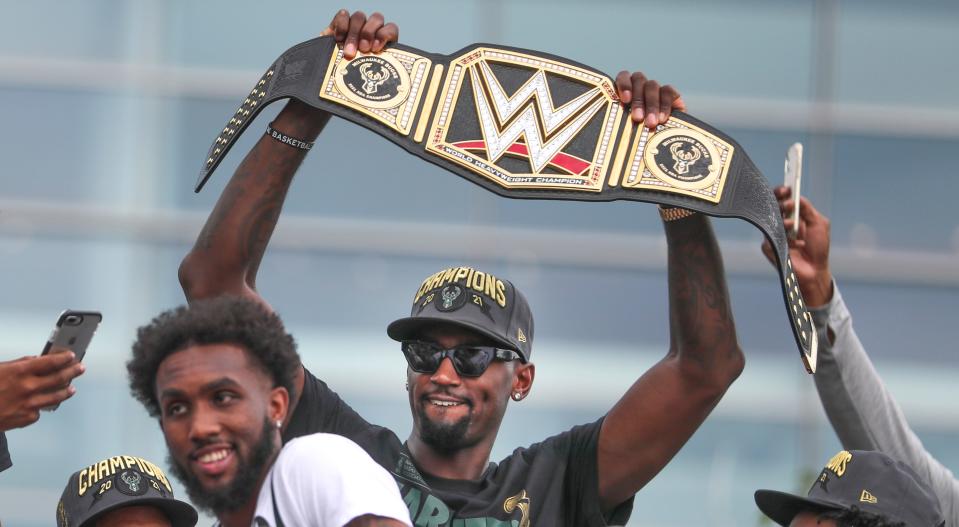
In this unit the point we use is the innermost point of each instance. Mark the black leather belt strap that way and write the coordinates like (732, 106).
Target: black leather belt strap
(526, 124)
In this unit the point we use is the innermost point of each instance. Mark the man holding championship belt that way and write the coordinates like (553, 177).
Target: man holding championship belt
(468, 342)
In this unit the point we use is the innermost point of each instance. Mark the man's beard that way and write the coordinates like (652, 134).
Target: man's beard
(240, 490)
(442, 436)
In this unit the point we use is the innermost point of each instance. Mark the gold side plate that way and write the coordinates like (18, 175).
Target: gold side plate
(428, 103)
(679, 158)
(386, 86)
(621, 149)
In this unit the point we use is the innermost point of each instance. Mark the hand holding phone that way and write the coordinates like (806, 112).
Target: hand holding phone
(792, 179)
(30, 384)
(73, 332)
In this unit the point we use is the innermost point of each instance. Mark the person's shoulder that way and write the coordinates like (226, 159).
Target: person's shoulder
(320, 444)
(322, 451)
(311, 383)
(576, 436)
(316, 461)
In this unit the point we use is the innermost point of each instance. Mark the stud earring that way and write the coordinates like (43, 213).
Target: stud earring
(517, 396)
(279, 424)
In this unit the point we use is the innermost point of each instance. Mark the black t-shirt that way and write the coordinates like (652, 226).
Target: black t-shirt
(549, 484)
(5, 462)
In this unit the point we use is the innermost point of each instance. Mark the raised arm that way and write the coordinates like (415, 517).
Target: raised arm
(860, 408)
(229, 249)
(663, 409)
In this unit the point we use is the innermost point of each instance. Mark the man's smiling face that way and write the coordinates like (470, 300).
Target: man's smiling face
(217, 408)
(450, 411)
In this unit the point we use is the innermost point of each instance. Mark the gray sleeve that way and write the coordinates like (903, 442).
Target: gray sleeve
(861, 410)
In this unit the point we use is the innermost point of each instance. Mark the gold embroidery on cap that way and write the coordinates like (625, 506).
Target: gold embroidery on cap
(485, 283)
(838, 462)
(867, 497)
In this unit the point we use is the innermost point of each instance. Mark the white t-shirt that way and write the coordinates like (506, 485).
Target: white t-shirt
(326, 480)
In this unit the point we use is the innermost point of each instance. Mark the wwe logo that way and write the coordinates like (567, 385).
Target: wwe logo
(569, 119)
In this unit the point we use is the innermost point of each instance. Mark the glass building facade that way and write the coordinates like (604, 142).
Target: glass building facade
(109, 107)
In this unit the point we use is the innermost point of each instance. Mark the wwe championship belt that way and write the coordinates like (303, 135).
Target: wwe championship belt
(525, 124)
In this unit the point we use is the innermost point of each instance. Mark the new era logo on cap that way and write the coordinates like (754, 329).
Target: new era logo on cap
(866, 497)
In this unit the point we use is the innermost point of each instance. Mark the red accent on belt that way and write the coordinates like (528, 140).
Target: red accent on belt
(571, 164)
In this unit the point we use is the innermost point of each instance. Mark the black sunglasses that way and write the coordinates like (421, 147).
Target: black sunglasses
(468, 361)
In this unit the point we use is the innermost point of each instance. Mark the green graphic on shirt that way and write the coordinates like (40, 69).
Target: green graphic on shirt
(430, 511)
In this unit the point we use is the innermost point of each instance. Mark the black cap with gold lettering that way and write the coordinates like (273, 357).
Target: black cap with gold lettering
(869, 481)
(115, 483)
(474, 300)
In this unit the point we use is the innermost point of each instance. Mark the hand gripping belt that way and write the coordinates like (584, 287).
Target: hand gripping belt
(526, 124)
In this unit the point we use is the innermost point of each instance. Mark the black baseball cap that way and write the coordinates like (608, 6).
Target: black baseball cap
(117, 482)
(870, 481)
(474, 300)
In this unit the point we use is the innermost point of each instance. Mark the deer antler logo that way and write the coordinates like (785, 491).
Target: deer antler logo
(683, 158)
(372, 79)
(132, 479)
(449, 294)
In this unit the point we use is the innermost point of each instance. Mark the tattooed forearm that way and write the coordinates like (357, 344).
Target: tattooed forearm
(223, 207)
(701, 322)
(229, 249)
(247, 212)
(257, 227)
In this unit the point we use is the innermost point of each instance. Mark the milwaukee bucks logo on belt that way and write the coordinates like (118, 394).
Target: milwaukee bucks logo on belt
(372, 79)
(526, 122)
(679, 158)
(385, 86)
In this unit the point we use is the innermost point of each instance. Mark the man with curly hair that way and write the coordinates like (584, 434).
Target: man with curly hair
(219, 376)
(857, 488)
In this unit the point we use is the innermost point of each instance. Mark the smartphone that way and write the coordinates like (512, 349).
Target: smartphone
(74, 330)
(792, 179)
